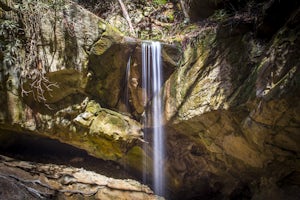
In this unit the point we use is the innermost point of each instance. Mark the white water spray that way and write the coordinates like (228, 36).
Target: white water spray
(152, 84)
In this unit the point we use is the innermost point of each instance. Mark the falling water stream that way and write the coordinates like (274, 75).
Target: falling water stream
(126, 91)
(152, 78)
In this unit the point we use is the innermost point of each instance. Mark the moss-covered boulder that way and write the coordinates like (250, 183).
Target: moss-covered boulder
(101, 132)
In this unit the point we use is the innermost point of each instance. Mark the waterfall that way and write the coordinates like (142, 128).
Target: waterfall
(152, 84)
(126, 91)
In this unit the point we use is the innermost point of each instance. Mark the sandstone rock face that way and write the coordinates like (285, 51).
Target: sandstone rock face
(70, 37)
(107, 65)
(102, 132)
(85, 59)
(231, 107)
(25, 180)
(235, 101)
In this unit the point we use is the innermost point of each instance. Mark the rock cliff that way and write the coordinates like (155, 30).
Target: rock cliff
(234, 104)
(231, 92)
(78, 65)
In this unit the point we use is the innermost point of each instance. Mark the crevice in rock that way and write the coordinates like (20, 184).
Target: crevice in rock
(282, 149)
(44, 150)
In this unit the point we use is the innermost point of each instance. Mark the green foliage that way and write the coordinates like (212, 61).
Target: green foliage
(8, 27)
(220, 15)
(19, 31)
(10, 44)
(160, 2)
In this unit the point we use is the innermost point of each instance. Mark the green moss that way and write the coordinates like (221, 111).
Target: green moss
(105, 149)
(208, 39)
(110, 32)
(101, 46)
(220, 15)
(116, 121)
(135, 154)
(138, 160)
(206, 141)
(160, 2)
(110, 35)
(173, 86)
(102, 26)
(170, 17)
(93, 107)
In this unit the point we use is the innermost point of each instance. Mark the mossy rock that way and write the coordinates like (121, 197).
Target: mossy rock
(110, 124)
(160, 2)
(93, 107)
(138, 160)
(106, 149)
(102, 46)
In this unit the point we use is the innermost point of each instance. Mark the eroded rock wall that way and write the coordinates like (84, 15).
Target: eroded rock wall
(231, 107)
(59, 101)
(74, 87)
(234, 102)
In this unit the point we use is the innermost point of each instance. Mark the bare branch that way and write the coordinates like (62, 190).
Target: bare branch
(126, 15)
(186, 15)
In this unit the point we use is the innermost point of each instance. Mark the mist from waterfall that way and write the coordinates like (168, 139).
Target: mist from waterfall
(152, 79)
